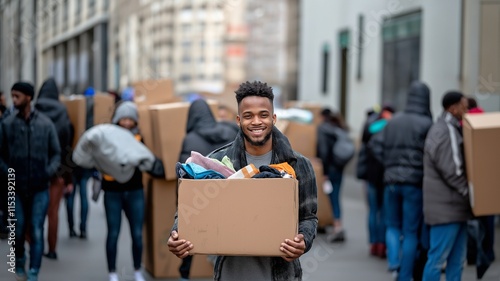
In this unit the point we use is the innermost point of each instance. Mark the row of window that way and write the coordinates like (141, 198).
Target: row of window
(201, 76)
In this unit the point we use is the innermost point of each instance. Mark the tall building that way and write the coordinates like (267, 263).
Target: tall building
(73, 43)
(355, 54)
(17, 47)
(272, 45)
(181, 40)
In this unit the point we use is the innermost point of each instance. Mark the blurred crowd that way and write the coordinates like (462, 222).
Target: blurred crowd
(419, 218)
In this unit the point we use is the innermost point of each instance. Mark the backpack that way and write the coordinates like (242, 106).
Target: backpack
(343, 149)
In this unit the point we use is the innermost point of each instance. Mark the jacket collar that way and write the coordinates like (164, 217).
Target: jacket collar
(449, 118)
(282, 150)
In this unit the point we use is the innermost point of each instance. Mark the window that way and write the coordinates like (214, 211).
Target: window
(401, 57)
(54, 18)
(185, 78)
(324, 70)
(65, 12)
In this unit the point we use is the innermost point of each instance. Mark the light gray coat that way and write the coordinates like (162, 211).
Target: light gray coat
(112, 150)
(445, 188)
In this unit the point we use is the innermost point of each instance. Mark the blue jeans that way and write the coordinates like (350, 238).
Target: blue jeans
(81, 185)
(448, 244)
(376, 224)
(132, 203)
(335, 177)
(403, 218)
(30, 214)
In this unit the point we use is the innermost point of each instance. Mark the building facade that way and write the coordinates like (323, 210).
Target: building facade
(73, 43)
(357, 54)
(180, 40)
(272, 45)
(18, 45)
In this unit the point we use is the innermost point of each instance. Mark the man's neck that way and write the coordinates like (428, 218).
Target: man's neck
(258, 150)
(26, 112)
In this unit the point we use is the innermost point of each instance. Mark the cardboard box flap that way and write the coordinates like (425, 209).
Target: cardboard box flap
(483, 121)
(168, 105)
(221, 216)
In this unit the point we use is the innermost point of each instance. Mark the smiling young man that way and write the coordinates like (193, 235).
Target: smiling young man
(29, 145)
(260, 143)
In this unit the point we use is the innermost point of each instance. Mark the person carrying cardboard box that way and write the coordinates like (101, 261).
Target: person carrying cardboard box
(446, 191)
(260, 143)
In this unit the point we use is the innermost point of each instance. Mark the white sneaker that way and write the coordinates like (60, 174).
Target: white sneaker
(138, 276)
(113, 276)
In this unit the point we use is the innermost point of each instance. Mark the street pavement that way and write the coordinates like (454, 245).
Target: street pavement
(85, 260)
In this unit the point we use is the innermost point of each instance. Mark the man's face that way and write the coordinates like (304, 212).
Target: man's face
(20, 100)
(256, 119)
(2, 100)
(127, 123)
(458, 110)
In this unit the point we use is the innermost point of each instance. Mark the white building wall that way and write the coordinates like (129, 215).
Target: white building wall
(323, 20)
(440, 49)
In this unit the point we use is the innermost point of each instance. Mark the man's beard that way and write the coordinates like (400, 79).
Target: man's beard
(257, 143)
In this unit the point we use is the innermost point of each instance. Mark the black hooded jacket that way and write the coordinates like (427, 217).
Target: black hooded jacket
(203, 133)
(401, 146)
(48, 103)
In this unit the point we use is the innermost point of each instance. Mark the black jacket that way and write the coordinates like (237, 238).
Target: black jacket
(48, 103)
(282, 152)
(31, 148)
(326, 138)
(401, 149)
(203, 133)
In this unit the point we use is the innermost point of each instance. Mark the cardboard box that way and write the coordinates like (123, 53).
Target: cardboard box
(77, 111)
(145, 126)
(104, 106)
(482, 155)
(158, 260)
(315, 108)
(302, 137)
(151, 92)
(222, 216)
(325, 214)
(168, 127)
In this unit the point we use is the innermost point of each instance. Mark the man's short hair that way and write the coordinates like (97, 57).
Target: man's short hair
(255, 88)
(451, 98)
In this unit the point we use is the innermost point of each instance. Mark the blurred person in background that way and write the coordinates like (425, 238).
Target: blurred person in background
(3, 104)
(48, 103)
(203, 134)
(125, 197)
(375, 180)
(30, 146)
(3, 194)
(472, 106)
(400, 149)
(327, 135)
(80, 179)
(446, 192)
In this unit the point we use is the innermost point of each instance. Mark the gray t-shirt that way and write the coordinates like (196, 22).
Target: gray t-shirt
(249, 268)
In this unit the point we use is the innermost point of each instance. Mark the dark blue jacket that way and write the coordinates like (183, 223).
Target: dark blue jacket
(48, 103)
(31, 148)
(401, 144)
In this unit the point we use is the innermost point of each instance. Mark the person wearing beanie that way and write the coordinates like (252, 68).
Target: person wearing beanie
(127, 197)
(446, 192)
(29, 148)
